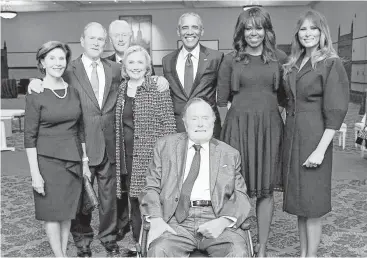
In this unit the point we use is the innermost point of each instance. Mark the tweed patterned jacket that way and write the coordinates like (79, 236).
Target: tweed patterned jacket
(153, 118)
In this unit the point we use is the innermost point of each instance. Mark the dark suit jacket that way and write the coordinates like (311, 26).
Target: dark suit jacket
(113, 59)
(205, 83)
(98, 122)
(164, 179)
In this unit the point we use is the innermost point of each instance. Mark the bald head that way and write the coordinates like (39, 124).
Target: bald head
(120, 35)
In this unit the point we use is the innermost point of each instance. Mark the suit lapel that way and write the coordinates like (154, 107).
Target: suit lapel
(83, 79)
(305, 69)
(292, 81)
(203, 63)
(108, 75)
(214, 156)
(175, 74)
(181, 159)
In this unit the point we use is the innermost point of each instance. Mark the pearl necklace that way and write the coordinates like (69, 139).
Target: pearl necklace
(57, 95)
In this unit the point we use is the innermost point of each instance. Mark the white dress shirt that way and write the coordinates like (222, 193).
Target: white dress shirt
(118, 59)
(201, 189)
(181, 60)
(87, 62)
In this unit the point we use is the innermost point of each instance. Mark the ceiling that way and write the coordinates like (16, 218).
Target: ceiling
(75, 6)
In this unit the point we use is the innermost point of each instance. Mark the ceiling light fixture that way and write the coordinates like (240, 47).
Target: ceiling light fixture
(246, 7)
(6, 11)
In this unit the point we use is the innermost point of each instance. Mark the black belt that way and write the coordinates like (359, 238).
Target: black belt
(201, 203)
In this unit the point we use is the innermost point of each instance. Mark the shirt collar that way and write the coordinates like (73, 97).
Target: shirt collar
(204, 146)
(195, 52)
(118, 58)
(88, 62)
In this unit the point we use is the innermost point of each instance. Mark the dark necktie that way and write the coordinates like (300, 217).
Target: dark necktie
(183, 206)
(189, 74)
(94, 80)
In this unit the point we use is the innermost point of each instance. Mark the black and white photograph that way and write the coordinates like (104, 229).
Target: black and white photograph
(193, 128)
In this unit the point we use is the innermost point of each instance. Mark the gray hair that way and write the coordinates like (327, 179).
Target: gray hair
(131, 50)
(196, 100)
(190, 14)
(93, 24)
(121, 23)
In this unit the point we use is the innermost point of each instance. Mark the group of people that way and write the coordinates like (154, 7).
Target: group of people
(186, 151)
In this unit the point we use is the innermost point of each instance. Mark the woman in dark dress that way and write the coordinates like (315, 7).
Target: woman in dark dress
(316, 85)
(249, 78)
(54, 142)
(143, 115)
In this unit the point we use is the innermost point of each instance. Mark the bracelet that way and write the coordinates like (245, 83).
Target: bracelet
(85, 159)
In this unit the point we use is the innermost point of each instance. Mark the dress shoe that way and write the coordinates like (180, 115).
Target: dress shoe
(112, 248)
(84, 251)
(122, 232)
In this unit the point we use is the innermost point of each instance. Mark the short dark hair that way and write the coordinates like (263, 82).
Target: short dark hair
(197, 100)
(48, 47)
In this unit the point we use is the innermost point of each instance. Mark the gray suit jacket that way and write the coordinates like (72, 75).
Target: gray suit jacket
(164, 179)
(99, 125)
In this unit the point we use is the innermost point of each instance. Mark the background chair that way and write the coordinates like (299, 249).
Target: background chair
(358, 127)
(342, 135)
(142, 248)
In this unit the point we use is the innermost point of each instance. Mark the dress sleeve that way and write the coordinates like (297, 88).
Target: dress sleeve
(224, 81)
(336, 94)
(31, 120)
(81, 132)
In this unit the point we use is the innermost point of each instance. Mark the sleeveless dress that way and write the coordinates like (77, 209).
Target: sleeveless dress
(253, 124)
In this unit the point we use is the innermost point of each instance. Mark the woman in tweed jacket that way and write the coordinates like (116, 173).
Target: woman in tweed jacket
(142, 116)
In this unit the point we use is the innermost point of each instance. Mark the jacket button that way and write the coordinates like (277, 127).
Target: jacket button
(176, 200)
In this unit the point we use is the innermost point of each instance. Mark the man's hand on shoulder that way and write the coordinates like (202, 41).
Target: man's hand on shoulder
(157, 227)
(35, 85)
(215, 227)
(162, 83)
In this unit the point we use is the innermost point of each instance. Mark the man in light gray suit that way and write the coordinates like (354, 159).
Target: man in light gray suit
(195, 196)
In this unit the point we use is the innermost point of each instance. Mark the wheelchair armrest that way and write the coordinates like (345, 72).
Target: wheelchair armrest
(142, 248)
(245, 226)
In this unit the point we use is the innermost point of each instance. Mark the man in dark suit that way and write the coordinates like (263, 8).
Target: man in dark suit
(192, 70)
(97, 81)
(195, 196)
(120, 34)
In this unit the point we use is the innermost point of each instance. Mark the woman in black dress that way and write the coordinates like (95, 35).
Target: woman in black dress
(249, 78)
(317, 88)
(143, 115)
(55, 146)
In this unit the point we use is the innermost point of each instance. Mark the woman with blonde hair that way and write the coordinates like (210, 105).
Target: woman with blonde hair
(143, 115)
(317, 89)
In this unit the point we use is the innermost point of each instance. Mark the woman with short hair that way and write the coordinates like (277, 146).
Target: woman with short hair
(55, 146)
(142, 116)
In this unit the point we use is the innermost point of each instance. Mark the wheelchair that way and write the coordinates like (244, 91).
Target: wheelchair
(142, 248)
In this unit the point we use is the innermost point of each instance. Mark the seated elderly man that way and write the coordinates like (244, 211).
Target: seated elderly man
(195, 196)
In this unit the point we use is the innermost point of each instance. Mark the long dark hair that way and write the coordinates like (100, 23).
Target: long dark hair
(258, 17)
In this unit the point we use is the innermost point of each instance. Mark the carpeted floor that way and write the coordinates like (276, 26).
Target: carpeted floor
(344, 234)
